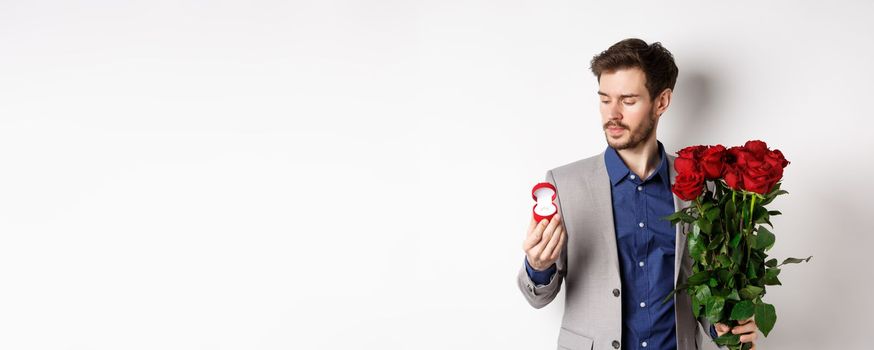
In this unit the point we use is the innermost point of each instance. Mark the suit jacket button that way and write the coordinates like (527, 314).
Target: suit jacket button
(616, 344)
(530, 289)
(615, 292)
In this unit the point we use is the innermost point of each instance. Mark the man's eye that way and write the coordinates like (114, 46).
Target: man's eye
(629, 103)
(605, 102)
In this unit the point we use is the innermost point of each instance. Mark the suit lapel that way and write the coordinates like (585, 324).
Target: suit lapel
(601, 190)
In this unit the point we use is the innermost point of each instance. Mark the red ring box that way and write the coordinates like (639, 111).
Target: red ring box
(544, 194)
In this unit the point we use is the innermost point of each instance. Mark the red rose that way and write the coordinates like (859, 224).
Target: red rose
(685, 165)
(688, 159)
(691, 152)
(738, 156)
(757, 148)
(712, 162)
(764, 169)
(751, 167)
(688, 186)
(733, 177)
(758, 179)
(776, 159)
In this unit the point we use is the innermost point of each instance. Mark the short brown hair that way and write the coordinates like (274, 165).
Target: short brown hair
(656, 62)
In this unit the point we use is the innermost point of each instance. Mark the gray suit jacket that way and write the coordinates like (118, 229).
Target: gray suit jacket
(589, 265)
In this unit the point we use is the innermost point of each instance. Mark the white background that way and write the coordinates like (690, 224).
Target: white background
(357, 174)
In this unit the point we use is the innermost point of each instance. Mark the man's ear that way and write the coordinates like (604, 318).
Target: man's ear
(662, 101)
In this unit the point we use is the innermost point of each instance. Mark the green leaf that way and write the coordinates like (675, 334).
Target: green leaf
(702, 294)
(724, 261)
(760, 214)
(712, 214)
(776, 188)
(730, 209)
(751, 292)
(766, 316)
(706, 225)
(765, 239)
(687, 218)
(771, 277)
(733, 295)
(713, 308)
(727, 339)
(697, 250)
(795, 260)
(735, 240)
(771, 263)
(742, 310)
(698, 278)
(724, 275)
(774, 212)
(680, 287)
(715, 242)
(681, 215)
(696, 307)
(673, 218)
(737, 255)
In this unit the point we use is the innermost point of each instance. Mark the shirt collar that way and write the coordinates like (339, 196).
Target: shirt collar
(617, 170)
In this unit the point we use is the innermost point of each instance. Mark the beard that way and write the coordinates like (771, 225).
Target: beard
(638, 135)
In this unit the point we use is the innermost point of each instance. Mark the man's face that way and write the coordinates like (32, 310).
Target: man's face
(627, 114)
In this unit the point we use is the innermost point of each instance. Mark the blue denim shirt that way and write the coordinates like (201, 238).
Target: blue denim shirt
(645, 243)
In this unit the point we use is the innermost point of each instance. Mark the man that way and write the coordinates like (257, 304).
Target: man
(609, 243)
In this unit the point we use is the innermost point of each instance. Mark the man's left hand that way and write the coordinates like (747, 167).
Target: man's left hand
(746, 328)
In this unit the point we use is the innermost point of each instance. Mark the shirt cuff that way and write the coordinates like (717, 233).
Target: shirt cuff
(713, 332)
(539, 277)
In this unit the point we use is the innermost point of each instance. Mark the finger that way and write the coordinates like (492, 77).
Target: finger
(553, 241)
(534, 236)
(547, 234)
(748, 338)
(554, 220)
(721, 329)
(559, 246)
(744, 328)
(754, 347)
(530, 241)
(536, 246)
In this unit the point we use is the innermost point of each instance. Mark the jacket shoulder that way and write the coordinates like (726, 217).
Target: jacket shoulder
(581, 166)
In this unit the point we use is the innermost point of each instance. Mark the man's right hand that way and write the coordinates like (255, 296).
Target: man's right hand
(544, 242)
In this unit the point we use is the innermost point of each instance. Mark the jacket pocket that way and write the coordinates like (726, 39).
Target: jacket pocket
(573, 341)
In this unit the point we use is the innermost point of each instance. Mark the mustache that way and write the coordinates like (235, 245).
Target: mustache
(614, 124)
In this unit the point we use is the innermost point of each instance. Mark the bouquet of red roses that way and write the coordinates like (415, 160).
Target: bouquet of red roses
(727, 240)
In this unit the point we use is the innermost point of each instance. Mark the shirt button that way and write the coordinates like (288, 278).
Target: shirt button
(631, 176)
(640, 224)
(640, 188)
(616, 344)
(615, 292)
(640, 264)
(642, 304)
(643, 344)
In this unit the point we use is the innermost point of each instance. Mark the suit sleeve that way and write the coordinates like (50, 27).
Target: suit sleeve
(539, 295)
(709, 332)
(539, 277)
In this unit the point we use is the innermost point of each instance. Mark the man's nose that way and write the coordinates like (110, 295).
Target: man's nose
(615, 114)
